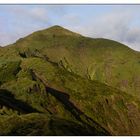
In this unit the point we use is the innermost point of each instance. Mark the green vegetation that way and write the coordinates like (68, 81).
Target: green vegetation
(8, 69)
(56, 82)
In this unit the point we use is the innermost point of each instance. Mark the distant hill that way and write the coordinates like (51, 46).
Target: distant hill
(57, 82)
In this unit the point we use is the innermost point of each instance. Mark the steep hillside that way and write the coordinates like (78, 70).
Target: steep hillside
(44, 87)
(104, 60)
(56, 82)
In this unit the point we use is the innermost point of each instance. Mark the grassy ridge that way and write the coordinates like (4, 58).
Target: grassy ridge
(73, 82)
(104, 60)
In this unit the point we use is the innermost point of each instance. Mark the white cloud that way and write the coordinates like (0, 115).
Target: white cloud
(23, 22)
(115, 25)
(71, 19)
(34, 14)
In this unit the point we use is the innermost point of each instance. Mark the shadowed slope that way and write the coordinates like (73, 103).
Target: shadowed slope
(42, 125)
(8, 100)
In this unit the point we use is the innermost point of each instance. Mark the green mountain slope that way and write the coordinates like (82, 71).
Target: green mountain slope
(104, 60)
(56, 82)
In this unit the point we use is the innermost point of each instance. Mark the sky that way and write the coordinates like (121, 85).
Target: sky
(116, 22)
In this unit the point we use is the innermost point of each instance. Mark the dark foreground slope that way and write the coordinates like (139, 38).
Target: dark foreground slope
(45, 93)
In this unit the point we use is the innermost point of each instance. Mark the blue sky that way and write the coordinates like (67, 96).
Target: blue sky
(117, 22)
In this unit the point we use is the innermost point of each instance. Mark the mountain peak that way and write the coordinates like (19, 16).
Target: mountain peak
(58, 30)
(56, 27)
